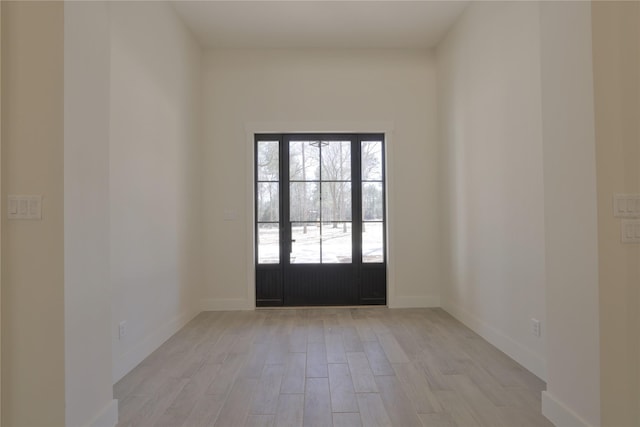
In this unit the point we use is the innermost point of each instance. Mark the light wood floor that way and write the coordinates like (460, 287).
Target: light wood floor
(324, 367)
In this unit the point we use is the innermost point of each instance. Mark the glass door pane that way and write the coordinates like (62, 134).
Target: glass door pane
(320, 202)
(372, 201)
(268, 244)
(336, 243)
(371, 153)
(372, 242)
(336, 160)
(268, 160)
(304, 202)
(305, 243)
(304, 158)
(268, 202)
(336, 201)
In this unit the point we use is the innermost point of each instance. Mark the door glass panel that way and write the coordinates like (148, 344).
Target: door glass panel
(336, 201)
(304, 201)
(304, 159)
(268, 243)
(336, 160)
(268, 161)
(372, 201)
(305, 248)
(336, 243)
(371, 161)
(268, 202)
(372, 242)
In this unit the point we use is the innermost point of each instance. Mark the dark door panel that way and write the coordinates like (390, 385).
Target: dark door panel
(319, 285)
(268, 286)
(373, 284)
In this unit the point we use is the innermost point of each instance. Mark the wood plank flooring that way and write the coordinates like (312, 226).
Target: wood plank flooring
(329, 367)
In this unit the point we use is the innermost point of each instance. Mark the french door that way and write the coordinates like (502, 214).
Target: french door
(320, 219)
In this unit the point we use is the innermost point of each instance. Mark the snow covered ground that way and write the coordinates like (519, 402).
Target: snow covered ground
(336, 244)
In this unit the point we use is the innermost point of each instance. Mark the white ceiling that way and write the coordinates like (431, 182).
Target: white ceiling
(319, 24)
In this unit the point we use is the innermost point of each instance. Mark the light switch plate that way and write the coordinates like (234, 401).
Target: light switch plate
(626, 205)
(630, 230)
(25, 207)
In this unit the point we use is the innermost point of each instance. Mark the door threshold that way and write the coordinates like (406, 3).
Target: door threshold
(319, 307)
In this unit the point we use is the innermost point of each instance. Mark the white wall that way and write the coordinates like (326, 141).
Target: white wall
(33, 343)
(87, 291)
(1, 221)
(320, 90)
(154, 177)
(573, 362)
(520, 191)
(616, 63)
(492, 193)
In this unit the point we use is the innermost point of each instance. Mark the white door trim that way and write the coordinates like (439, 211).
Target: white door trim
(252, 128)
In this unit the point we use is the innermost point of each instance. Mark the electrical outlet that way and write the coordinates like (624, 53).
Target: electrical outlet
(535, 327)
(122, 329)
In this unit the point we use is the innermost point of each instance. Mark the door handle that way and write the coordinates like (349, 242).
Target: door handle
(291, 245)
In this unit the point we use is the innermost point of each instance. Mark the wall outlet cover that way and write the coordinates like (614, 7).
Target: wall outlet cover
(122, 329)
(535, 327)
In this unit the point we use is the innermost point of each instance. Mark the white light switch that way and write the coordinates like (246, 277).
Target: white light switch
(34, 207)
(626, 205)
(13, 206)
(630, 231)
(22, 207)
(25, 207)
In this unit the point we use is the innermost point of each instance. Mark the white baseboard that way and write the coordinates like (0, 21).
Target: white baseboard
(534, 363)
(225, 304)
(414, 302)
(559, 414)
(234, 304)
(108, 417)
(123, 365)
